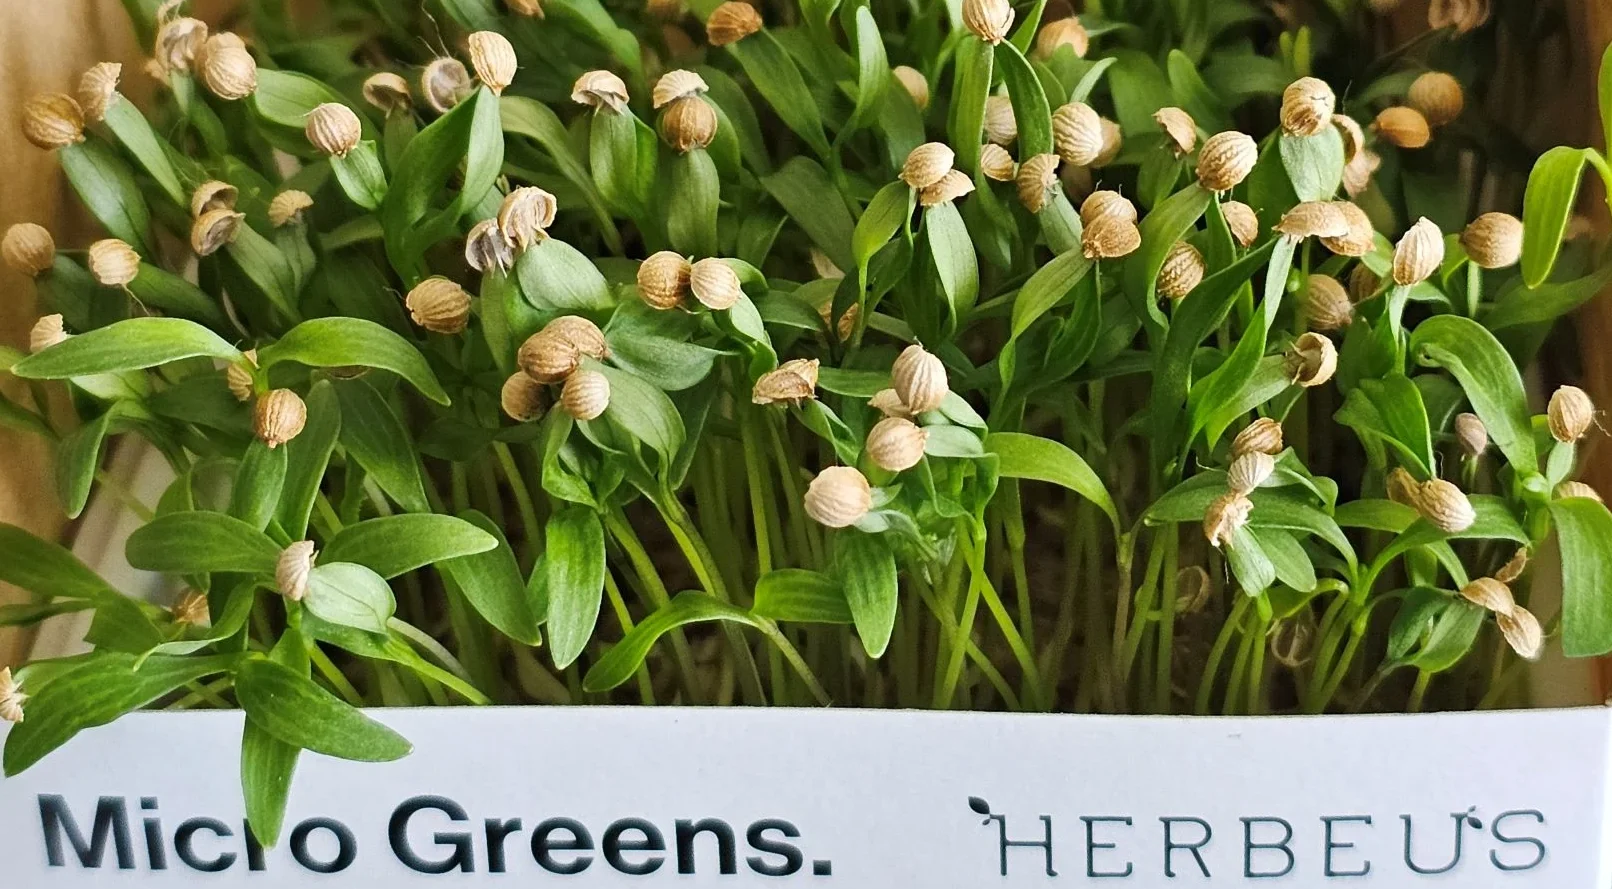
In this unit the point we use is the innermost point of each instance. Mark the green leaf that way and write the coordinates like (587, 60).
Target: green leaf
(622, 661)
(574, 559)
(375, 436)
(1046, 289)
(1583, 528)
(534, 120)
(1031, 110)
(1161, 229)
(890, 209)
(971, 86)
(95, 692)
(360, 175)
(1314, 164)
(174, 296)
(78, 458)
(953, 441)
(952, 248)
(872, 68)
(1195, 96)
(1042, 459)
(1249, 563)
(256, 494)
(1547, 302)
(1547, 205)
(776, 77)
(354, 342)
(45, 569)
(267, 766)
(1488, 375)
(200, 543)
(1604, 94)
(622, 155)
(805, 191)
(470, 132)
(392, 546)
(295, 710)
(287, 98)
(307, 457)
(653, 344)
(127, 345)
(133, 130)
(1453, 634)
(1288, 558)
(694, 195)
(644, 411)
(556, 277)
(349, 595)
(107, 187)
(491, 581)
(795, 594)
(866, 570)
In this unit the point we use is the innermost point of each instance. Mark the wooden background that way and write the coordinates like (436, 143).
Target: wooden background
(44, 46)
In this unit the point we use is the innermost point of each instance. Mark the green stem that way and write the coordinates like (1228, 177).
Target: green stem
(1167, 602)
(655, 591)
(334, 676)
(710, 576)
(946, 690)
(646, 689)
(1228, 630)
(993, 602)
(1419, 691)
(523, 494)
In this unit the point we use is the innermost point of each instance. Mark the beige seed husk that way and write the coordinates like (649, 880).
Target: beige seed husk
(913, 81)
(98, 89)
(445, 83)
(46, 332)
(731, 22)
(823, 266)
(1113, 142)
(1110, 237)
(1312, 360)
(1313, 219)
(989, 20)
(1249, 471)
(1077, 133)
(953, 185)
(1438, 96)
(1403, 488)
(1522, 632)
(1056, 34)
(493, 57)
(792, 382)
(663, 279)
(1462, 15)
(486, 248)
(28, 249)
(600, 90)
(1570, 489)
(1178, 128)
(388, 92)
(838, 497)
(583, 335)
(1471, 434)
(279, 417)
(1419, 253)
(1077, 182)
(1493, 240)
(1307, 106)
(1037, 181)
(113, 262)
(1361, 237)
(895, 444)
(1363, 283)
(1292, 642)
(1403, 127)
(548, 357)
(1225, 160)
(1490, 595)
(1104, 204)
(53, 120)
(919, 379)
(927, 164)
(532, 9)
(179, 41)
(846, 326)
(1182, 270)
(688, 123)
(1001, 127)
(586, 394)
(674, 85)
(240, 378)
(1514, 567)
(1571, 413)
(228, 69)
(214, 195)
(214, 230)
(1358, 171)
(1243, 222)
(525, 216)
(888, 403)
(1354, 138)
(1326, 303)
(439, 305)
(292, 570)
(11, 698)
(523, 399)
(1445, 506)
(1263, 436)
(190, 609)
(1226, 515)
(288, 206)
(333, 129)
(714, 283)
(1193, 590)
(996, 163)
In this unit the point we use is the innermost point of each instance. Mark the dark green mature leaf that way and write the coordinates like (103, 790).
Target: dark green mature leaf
(1547, 206)
(695, 192)
(574, 560)
(622, 155)
(1583, 529)
(199, 543)
(534, 120)
(1046, 288)
(107, 187)
(95, 692)
(621, 662)
(1288, 558)
(375, 436)
(1547, 302)
(807, 193)
(174, 296)
(78, 458)
(45, 569)
(1031, 110)
(491, 581)
(866, 570)
(295, 710)
(395, 545)
(971, 86)
(1161, 229)
(127, 345)
(307, 456)
(1042, 459)
(556, 277)
(776, 77)
(795, 594)
(349, 595)
(653, 344)
(256, 494)
(470, 132)
(644, 411)
(1494, 386)
(354, 342)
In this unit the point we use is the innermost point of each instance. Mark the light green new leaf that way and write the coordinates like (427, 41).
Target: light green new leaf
(1314, 164)
(349, 595)
(644, 411)
(267, 766)
(491, 581)
(295, 710)
(1488, 375)
(354, 342)
(201, 542)
(885, 215)
(695, 192)
(1031, 110)
(107, 187)
(78, 458)
(1547, 205)
(1249, 562)
(395, 545)
(872, 68)
(971, 87)
(866, 570)
(45, 569)
(307, 456)
(127, 345)
(956, 265)
(622, 661)
(1042, 459)
(574, 562)
(795, 594)
(1583, 528)
(255, 497)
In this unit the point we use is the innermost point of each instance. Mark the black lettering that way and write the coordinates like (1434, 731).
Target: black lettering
(727, 855)
(757, 837)
(111, 823)
(1331, 845)
(497, 832)
(185, 845)
(254, 849)
(613, 845)
(1539, 845)
(463, 856)
(1455, 858)
(1250, 847)
(543, 846)
(1045, 844)
(1171, 846)
(156, 850)
(346, 846)
(1092, 846)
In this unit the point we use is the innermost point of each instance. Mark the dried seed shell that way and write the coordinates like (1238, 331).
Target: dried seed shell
(919, 379)
(838, 497)
(895, 444)
(28, 249)
(278, 417)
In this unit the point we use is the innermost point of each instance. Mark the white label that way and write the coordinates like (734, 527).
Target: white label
(595, 797)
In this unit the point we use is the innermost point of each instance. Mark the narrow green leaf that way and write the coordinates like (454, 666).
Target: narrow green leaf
(256, 495)
(395, 545)
(127, 345)
(1583, 528)
(805, 191)
(295, 710)
(776, 77)
(354, 342)
(375, 436)
(1547, 205)
(574, 559)
(1042, 459)
(45, 569)
(307, 457)
(199, 543)
(1488, 375)
(795, 594)
(491, 581)
(622, 661)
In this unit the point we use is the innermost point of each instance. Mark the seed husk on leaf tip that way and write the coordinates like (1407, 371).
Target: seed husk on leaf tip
(493, 57)
(1264, 436)
(98, 89)
(919, 379)
(12, 697)
(1570, 414)
(388, 92)
(334, 129)
(792, 382)
(53, 120)
(1182, 270)
(927, 164)
(1471, 434)
(989, 20)
(1249, 471)
(1493, 240)
(896, 444)
(113, 262)
(1570, 489)
(1522, 631)
(523, 399)
(912, 80)
(439, 306)
(1326, 303)
(688, 123)
(214, 230)
(1037, 181)
(715, 284)
(1445, 506)
(1418, 254)
(1403, 127)
(1059, 33)
(1312, 360)
(293, 568)
(1225, 517)
(586, 394)
(732, 22)
(47, 331)
(1077, 133)
(1225, 160)
(279, 416)
(1111, 237)
(445, 83)
(838, 497)
(1307, 105)
(663, 279)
